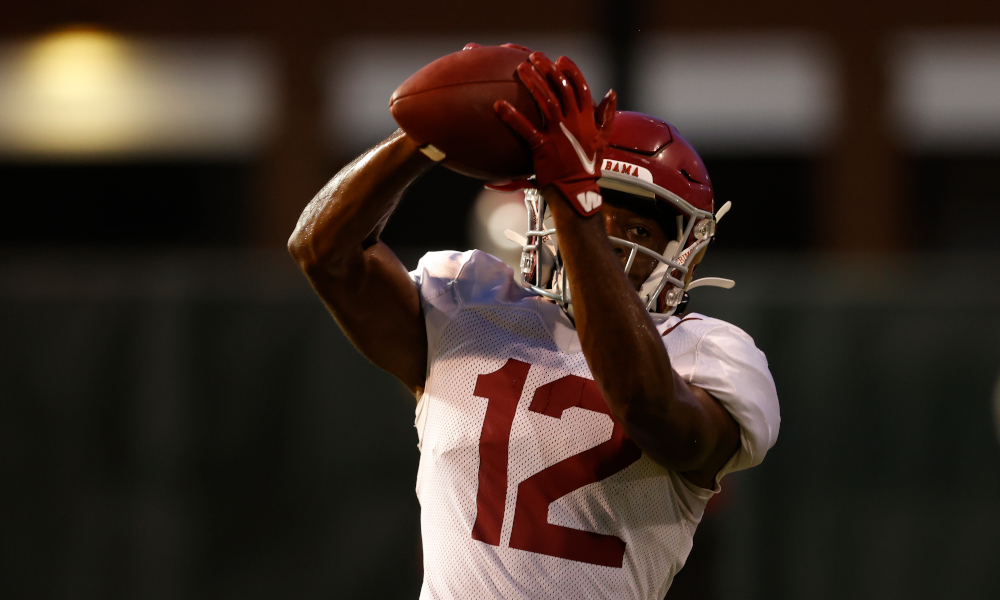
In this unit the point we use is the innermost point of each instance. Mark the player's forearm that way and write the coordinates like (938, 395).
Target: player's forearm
(624, 350)
(616, 333)
(348, 214)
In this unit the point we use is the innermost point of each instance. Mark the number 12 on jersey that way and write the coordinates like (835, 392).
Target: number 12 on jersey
(531, 530)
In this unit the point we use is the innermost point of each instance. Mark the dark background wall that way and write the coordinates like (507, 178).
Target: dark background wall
(192, 425)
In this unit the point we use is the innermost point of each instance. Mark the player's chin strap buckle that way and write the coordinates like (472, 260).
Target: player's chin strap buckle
(674, 298)
(708, 231)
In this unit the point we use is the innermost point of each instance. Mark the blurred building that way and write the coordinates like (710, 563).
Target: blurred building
(180, 418)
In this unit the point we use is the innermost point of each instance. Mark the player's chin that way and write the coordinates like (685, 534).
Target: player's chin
(635, 275)
(640, 271)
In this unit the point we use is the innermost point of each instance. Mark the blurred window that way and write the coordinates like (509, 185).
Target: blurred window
(363, 72)
(945, 102)
(944, 90)
(760, 108)
(760, 93)
(83, 94)
(106, 139)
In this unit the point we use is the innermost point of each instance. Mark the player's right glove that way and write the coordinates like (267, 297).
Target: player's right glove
(567, 149)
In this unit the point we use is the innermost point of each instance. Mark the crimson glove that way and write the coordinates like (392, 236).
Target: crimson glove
(568, 148)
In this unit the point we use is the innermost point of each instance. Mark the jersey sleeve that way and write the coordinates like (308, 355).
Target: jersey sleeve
(723, 360)
(735, 372)
(435, 277)
(435, 274)
(449, 280)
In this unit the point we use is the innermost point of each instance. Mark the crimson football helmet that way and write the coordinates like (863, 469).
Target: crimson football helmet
(647, 158)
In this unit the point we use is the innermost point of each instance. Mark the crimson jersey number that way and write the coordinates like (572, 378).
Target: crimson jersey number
(532, 530)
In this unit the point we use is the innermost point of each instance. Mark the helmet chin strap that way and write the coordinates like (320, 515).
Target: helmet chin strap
(648, 288)
(720, 282)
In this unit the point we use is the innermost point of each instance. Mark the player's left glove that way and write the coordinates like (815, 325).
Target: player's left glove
(568, 148)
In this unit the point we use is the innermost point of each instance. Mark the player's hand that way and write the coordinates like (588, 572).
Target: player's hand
(568, 148)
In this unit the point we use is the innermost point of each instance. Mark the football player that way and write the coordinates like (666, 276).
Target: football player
(572, 427)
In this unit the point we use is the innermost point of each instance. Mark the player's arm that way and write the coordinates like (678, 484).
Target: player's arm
(363, 284)
(678, 425)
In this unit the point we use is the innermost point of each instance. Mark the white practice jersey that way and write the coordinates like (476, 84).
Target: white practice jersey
(528, 488)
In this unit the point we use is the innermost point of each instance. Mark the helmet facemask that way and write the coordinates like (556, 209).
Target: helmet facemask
(542, 269)
(543, 272)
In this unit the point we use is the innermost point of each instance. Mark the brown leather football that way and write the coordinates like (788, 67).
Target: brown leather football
(449, 104)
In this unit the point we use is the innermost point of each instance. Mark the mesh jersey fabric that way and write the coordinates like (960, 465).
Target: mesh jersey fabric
(528, 488)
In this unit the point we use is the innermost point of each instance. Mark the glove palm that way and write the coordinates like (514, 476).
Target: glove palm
(567, 149)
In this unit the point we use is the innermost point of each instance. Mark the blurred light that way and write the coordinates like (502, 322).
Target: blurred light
(746, 93)
(945, 89)
(493, 213)
(75, 93)
(89, 93)
(363, 72)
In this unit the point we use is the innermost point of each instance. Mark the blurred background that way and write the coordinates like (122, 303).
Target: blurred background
(179, 417)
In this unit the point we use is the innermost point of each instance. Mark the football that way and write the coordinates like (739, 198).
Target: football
(449, 105)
